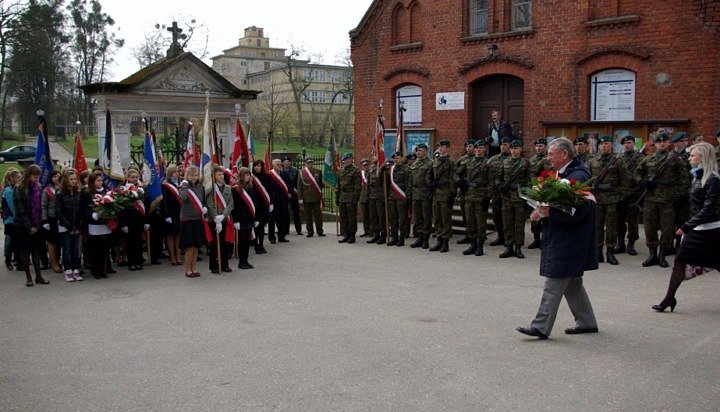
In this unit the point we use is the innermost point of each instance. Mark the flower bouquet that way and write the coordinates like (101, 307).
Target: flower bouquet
(549, 190)
(108, 206)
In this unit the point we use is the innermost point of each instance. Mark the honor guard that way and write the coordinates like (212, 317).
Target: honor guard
(442, 185)
(310, 186)
(538, 163)
(582, 149)
(422, 197)
(477, 200)
(496, 162)
(348, 196)
(628, 210)
(363, 205)
(515, 173)
(460, 176)
(399, 198)
(376, 202)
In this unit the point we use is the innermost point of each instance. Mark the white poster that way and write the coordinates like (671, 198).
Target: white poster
(612, 95)
(450, 101)
(411, 96)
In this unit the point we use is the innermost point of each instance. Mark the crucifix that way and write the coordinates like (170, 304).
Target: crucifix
(175, 47)
(175, 31)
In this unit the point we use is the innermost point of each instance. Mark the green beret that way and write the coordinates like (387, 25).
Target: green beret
(515, 143)
(364, 162)
(347, 156)
(628, 138)
(411, 156)
(541, 140)
(581, 139)
(480, 142)
(679, 136)
(421, 146)
(444, 143)
(662, 137)
(470, 142)
(507, 140)
(397, 154)
(605, 138)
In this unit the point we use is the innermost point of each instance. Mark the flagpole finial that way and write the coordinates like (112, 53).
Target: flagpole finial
(207, 96)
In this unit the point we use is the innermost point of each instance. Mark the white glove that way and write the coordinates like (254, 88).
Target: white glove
(168, 220)
(46, 226)
(184, 183)
(146, 226)
(95, 216)
(300, 202)
(219, 219)
(124, 229)
(62, 229)
(272, 207)
(204, 210)
(236, 225)
(256, 224)
(218, 228)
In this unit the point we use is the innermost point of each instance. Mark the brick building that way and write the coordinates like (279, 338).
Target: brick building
(552, 67)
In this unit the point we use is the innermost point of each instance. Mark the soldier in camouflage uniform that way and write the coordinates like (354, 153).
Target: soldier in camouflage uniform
(663, 175)
(628, 210)
(422, 197)
(682, 203)
(717, 148)
(477, 199)
(582, 149)
(409, 161)
(495, 198)
(538, 163)
(364, 204)
(460, 175)
(348, 196)
(376, 203)
(442, 184)
(515, 173)
(400, 183)
(610, 177)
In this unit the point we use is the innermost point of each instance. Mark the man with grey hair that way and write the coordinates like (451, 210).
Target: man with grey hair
(569, 248)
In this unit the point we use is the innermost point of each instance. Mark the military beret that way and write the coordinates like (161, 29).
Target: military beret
(309, 160)
(541, 140)
(662, 137)
(421, 146)
(389, 162)
(286, 158)
(605, 138)
(347, 156)
(628, 138)
(581, 139)
(481, 142)
(397, 154)
(506, 140)
(411, 156)
(516, 143)
(679, 136)
(470, 142)
(364, 162)
(444, 143)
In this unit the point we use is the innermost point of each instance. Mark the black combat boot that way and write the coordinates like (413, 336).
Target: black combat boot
(518, 252)
(464, 241)
(437, 246)
(509, 251)
(601, 258)
(351, 239)
(426, 241)
(499, 241)
(393, 240)
(381, 241)
(374, 239)
(661, 257)
(479, 250)
(344, 239)
(418, 241)
(473, 247)
(611, 259)
(401, 241)
(631, 247)
(652, 260)
(620, 247)
(445, 247)
(535, 244)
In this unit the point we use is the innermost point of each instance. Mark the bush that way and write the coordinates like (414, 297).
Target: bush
(10, 135)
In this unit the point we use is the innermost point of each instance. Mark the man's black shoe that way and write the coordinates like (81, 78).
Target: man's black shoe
(531, 331)
(577, 330)
(227, 270)
(321, 234)
(309, 235)
(497, 242)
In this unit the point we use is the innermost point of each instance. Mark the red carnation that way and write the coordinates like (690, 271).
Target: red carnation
(545, 173)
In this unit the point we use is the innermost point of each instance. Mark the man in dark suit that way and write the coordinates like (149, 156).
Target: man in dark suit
(568, 249)
(497, 129)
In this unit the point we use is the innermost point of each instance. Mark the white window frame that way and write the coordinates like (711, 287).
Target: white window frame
(516, 13)
(479, 16)
(315, 75)
(342, 98)
(314, 96)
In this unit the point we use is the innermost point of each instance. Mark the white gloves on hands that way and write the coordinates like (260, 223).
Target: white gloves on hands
(272, 207)
(146, 226)
(184, 183)
(236, 225)
(46, 226)
(62, 229)
(95, 216)
(256, 224)
(218, 228)
(219, 219)
(204, 209)
(124, 229)
(168, 220)
(300, 202)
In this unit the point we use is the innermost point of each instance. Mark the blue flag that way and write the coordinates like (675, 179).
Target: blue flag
(42, 157)
(151, 179)
(113, 174)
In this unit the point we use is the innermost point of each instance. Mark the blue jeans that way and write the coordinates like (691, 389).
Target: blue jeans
(70, 251)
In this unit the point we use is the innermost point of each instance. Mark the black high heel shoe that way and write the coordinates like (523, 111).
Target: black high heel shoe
(664, 305)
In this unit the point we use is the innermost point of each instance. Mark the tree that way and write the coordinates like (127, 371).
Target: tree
(269, 111)
(194, 37)
(9, 11)
(298, 85)
(92, 45)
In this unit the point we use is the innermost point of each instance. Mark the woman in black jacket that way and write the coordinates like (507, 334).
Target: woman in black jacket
(170, 210)
(262, 198)
(69, 210)
(243, 215)
(30, 241)
(697, 254)
(99, 233)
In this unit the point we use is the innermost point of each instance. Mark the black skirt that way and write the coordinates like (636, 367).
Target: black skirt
(699, 248)
(174, 227)
(192, 234)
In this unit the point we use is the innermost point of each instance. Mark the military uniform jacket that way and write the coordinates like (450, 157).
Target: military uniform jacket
(495, 170)
(584, 158)
(375, 183)
(515, 173)
(478, 179)
(538, 163)
(421, 171)
(402, 176)
(609, 189)
(443, 176)
(631, 160)
(306, 189)
(348, 190)
(461, 166)
(364, 186)
(673, 180)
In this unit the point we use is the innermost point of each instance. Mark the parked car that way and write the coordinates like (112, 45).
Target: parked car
(17, 153)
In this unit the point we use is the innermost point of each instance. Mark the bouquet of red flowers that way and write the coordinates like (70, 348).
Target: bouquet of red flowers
(109, 205)
(549, 190)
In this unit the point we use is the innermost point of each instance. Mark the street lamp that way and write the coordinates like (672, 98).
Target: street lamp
(77, 126)
(41, 120)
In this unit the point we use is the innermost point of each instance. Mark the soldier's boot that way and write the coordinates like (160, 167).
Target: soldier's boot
(351, 239)
(464, 241)
(374, 239)
(620, 247)
(401, 241)
(673, 249)
(438, 245)
(381, 240)
(499, 241)
(509, 252)
(611, 259)
(652, 260)
(518, 252)
(426, 241)
(535, 244)
(344, 239)
(661, 257)
(631, 248)
(418, 241)
(473, 247)
(445, 247)
(479, 250)
(601, 258)
(393, 240)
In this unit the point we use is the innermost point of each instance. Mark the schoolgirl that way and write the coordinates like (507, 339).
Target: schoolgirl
(69, 210)
(243, 215)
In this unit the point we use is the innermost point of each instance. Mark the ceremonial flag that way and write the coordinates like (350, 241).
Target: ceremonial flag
(251, 145)
(331, 164)
(240, 149)
(79, 163)
(42, 155)
(192, 157)
(159, 157)
(400, 140)
(151, 178)
(208, 152)
(110, 159)
(379, 148)
(268, 154)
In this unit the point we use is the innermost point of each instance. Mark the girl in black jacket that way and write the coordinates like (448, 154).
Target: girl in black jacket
(30, 241)
(243, 214)
(69, 210)
(99, 234)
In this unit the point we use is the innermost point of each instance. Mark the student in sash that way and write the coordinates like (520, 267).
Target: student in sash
(260, 193)
(309, 186)
(133, 223)
(244, 215)
(194, 230)
(280, 218)
(170, 210)
(99, 233)
(219, 203)
(50, 223)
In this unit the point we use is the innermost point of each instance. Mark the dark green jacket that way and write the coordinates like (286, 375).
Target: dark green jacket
(348, 189)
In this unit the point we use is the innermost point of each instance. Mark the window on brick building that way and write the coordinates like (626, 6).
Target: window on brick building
(520, 14)
(478, 16)
(411, 97)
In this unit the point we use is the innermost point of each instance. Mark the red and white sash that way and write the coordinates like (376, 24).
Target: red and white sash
(220, 200)
(307, 175)
(263, 192)
(140, 207)
(174, 190)
(198, 207)
(245, 196)
(363, 177)
(395, 188)
(50, 192)
(280, 182)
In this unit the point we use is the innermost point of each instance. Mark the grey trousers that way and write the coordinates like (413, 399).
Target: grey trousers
(577, 299)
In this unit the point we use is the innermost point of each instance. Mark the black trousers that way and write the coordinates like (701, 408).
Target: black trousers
(134, 244)
(296, 215)
(225, 249)
(157, 236)
(99, 251)
(280, 219)
(243, 244)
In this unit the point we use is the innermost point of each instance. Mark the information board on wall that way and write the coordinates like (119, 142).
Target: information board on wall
(411, 96)
(613, 95)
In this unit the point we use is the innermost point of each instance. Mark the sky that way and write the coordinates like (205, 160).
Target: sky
(319, 27)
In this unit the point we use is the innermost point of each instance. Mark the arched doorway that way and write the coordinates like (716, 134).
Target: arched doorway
(502, 92)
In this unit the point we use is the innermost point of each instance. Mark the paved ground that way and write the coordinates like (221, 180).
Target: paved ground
(322, 326)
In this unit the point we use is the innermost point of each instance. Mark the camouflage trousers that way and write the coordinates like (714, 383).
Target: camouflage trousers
(628, 219)
(659, 216)
(377, 216)
(513, 215)
(348, 217)
(398, 217)
(365, 212)
(422, 216)
(442, 216)
(606, 217)
(476, 222)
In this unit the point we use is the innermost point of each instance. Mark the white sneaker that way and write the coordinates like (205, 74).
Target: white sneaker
(69, 276)
(76, 275)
